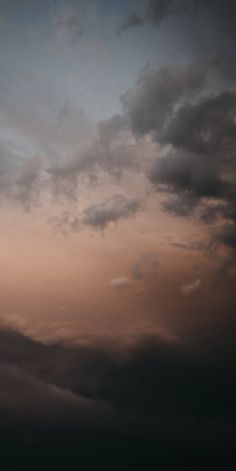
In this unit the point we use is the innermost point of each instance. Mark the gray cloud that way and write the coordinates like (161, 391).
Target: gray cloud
(188, 173)
(146, 266)
(220, 15)
(113, 150)
(204, 127)
(198, 135)
(201, 161)
(159, 10)
(150, 102)
(20, 176)
(133, 20)
(179, 205)
(72, 24)
(110, 211)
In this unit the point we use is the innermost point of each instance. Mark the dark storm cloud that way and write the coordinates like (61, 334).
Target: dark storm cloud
(111, 210)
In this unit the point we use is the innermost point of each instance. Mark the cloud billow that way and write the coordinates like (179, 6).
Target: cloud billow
(197, 131)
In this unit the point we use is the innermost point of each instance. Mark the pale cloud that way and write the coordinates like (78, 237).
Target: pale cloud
(190, 288)
(120, 282)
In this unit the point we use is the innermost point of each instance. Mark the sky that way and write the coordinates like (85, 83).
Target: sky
(118, 226)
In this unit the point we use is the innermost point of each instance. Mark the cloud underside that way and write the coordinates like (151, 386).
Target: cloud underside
(135, 391)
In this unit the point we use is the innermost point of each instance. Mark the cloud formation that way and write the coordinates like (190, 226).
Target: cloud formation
(110, 211)
(70, 395)
(196, 131)
(159, 10)
(131, 21)
(150, 102)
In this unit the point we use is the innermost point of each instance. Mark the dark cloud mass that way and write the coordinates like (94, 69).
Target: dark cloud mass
(146, 391)
(196, 129)
(201, 163)
(149, 103)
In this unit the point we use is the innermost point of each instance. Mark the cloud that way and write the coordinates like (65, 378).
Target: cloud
(190, 288)
(150, 102)
(110, 211)
(220, 15)
(145, 266)
(21, 176)
(72, 24)
(200, 163)
(203, 126)
(133, 20)
(159, 10)
(196, 133)
(113, 150)
(145, 389)
(120, 282)
(227, 235)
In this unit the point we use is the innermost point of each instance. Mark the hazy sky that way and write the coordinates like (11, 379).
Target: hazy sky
(117, 151)
(118, 175)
